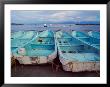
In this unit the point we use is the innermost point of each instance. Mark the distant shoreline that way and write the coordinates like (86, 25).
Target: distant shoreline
(70, 24)
(16, 24)
(87, 24)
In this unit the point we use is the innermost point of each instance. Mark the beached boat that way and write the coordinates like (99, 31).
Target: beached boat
(41, 49)
(89, 40)
(75, 55)
(20, 38)
(94, 34)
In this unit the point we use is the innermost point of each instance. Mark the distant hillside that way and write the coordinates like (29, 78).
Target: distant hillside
(16, 24)
(82, 23)
(88, 23)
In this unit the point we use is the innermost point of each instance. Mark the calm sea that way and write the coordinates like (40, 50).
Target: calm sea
(55, 27)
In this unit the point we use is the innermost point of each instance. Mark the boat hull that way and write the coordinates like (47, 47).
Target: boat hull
(36, 60)
(81, 66)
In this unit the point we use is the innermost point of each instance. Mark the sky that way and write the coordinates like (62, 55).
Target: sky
(54, 16)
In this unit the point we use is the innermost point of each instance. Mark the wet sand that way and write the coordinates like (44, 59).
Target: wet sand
(46, 70)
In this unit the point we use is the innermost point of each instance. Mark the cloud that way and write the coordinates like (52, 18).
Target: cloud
(53, 16)
(92, 18)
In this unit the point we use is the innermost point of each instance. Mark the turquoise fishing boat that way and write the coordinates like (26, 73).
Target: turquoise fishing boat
(40, 49)
(75, 55)
(94, 34)
(91, 40)
(20, 38)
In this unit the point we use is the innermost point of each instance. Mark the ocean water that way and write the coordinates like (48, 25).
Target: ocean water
(54, 27)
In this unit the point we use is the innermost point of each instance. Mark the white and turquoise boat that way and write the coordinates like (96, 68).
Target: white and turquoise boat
(94, 34)
(75, 55)
(40, 49)
(20, 38)
(91, 39)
